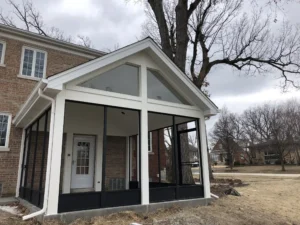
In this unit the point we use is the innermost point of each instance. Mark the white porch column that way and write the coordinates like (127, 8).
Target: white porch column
(56, 151)
(204, 157)
(144, 158)
(144, 138)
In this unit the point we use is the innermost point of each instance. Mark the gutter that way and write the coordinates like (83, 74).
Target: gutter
(49, 159)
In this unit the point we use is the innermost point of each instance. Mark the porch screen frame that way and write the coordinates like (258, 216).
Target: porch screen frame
(103, 199)
(35, 197)
(179, 191)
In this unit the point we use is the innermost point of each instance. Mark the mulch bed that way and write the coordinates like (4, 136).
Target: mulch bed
(223, 187)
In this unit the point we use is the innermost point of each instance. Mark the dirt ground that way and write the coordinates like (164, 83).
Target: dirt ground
(290, 169)
(265, 200)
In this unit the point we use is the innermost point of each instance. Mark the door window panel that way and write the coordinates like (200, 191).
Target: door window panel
(83, 153)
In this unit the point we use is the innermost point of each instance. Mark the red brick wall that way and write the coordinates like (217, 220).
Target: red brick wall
(14, 92)
(152, 157)
(115, 159)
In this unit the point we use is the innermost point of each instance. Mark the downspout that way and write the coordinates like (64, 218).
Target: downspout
(49, 160)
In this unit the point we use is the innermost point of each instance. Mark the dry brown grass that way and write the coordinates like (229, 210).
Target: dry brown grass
(290, 169)
(265, 200)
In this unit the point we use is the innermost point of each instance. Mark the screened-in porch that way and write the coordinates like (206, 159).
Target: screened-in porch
(100, 161)
(126, 129)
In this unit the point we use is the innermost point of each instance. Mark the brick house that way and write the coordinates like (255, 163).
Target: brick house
(81, 129)
(266, 153)
(220, 155)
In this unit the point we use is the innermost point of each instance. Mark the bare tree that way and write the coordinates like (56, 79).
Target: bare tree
(228, 131)
(204, 34)
(273, 128)
(31, 19)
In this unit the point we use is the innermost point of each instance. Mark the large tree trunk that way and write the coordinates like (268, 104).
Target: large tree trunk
(184, 153)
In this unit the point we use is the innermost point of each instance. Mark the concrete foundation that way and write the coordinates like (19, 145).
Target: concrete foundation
(7, 201)
(87, 214)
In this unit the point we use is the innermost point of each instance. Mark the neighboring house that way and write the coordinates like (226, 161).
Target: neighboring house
(220, 155)
(81, 129)
(265, 153)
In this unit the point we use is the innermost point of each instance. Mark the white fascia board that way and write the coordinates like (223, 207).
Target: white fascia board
(33, 97)
(213, 108)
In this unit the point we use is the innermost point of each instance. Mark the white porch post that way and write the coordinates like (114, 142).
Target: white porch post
(56, 151)
(204, 157)
(144, 139)
(144, 158)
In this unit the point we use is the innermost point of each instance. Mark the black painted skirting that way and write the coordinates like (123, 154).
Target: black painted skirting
(35, 197)
(95, 200)
(163, 194)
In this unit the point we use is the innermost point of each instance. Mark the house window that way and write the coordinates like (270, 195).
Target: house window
(159, 89)
(33, 63)
(123, 79)
(5, 120)
(150, 142)
(2, 52)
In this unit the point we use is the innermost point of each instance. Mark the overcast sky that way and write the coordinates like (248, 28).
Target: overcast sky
(111, 23)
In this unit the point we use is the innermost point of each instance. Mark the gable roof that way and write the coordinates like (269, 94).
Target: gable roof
(57, 81)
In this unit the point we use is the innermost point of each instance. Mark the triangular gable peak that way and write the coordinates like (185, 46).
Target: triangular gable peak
(121, 71)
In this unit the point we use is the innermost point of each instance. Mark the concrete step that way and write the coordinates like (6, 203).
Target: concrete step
(8, 200)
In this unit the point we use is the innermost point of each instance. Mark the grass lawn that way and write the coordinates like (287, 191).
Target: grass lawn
(290, 169)
(265, 200)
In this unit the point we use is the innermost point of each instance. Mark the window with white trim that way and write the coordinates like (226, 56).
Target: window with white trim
(5, 121)
(33, 63)
(2, 52)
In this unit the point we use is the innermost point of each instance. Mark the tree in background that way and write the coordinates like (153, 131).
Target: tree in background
(271, 127)
(32, 20)
(227, 130)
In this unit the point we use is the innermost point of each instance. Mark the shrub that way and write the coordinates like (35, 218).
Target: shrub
(237, 163)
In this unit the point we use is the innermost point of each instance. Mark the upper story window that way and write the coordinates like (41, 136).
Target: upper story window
(5, 120)
(33, 63)
(123, 79)
(159, 89)
(2, 52)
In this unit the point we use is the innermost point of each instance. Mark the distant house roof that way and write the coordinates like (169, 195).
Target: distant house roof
(219, 148)
(272, 143)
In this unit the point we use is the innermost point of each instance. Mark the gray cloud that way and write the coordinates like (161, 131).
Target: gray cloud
(111, 22)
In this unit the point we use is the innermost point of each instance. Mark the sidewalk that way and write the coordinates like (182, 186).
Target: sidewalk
(258, 174)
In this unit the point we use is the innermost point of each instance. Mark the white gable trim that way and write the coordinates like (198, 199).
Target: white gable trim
(58, 81)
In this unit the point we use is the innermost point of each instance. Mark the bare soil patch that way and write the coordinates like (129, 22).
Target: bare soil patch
(265, 200)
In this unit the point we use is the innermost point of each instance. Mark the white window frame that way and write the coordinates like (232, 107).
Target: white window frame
(3, 53)
(35, 50)
(6, 148)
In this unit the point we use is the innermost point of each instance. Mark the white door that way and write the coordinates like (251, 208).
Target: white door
(83, 162)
